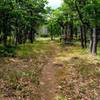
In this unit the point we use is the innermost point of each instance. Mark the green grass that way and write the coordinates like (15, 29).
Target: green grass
(26, 50)
(97, 73)
(61, 98)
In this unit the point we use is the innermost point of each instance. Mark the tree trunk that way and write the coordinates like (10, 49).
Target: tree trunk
(31, 36)
(75, 32)
(65, 35)
(5, 39)
(71, 32)
(16, 41)
(85, 36)
(94, 47)
(91, 42)
(82, 37)
(52, 37)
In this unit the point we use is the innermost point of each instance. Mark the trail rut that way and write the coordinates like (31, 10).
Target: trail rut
(48, 84)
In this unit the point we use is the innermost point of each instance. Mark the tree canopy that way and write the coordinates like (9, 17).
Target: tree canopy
(19, 18)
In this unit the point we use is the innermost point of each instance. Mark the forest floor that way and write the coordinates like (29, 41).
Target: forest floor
(46, 70)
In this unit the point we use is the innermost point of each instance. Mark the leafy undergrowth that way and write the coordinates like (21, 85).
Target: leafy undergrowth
(78, 74)
(19, 75)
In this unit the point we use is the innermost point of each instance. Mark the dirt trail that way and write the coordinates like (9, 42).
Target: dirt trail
(48, 83)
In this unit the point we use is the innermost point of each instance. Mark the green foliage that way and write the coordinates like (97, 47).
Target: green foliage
(8, 51)
(53, 23)
(19, 19)
(97, 73)
(88, 11)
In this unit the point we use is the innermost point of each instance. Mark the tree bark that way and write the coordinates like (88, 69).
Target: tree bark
(91, 42)
(94, 47)
(71, 32)
(85, 36)
(65, 34)
(82, 37)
